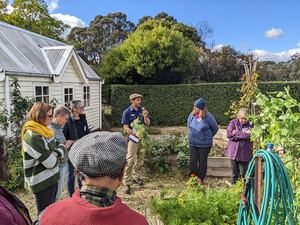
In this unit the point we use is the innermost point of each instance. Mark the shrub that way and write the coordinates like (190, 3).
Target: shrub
(197, 205)
(15, 160)
(171, 144)
(170, 105)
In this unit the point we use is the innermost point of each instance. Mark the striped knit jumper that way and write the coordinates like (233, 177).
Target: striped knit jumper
(39, 162)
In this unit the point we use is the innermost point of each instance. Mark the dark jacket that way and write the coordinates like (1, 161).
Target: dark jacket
(239, 147)
(12, 210)
(70, 129)
(203, 131)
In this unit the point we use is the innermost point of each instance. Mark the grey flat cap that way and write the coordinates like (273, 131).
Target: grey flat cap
(99, 153)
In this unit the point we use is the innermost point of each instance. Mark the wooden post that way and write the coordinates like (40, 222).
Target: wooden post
(257, 184)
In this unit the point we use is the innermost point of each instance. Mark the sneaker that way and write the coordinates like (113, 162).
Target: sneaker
(127, 189)
(138, 182)
(199, 181)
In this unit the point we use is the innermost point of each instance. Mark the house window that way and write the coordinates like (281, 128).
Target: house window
(86, 96)
(68, 94)
(42, 94)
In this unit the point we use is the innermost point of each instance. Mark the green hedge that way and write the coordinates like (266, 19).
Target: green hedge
(170, 105)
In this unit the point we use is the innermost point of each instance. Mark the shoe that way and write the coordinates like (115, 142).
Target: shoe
(199, 181)
(138, 182)
(127, 189)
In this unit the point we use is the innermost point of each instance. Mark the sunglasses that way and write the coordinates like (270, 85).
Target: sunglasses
(50, 116)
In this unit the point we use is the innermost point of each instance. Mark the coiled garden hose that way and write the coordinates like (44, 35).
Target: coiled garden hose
(277, 206)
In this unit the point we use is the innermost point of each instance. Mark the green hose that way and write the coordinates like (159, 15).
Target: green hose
(278, 199)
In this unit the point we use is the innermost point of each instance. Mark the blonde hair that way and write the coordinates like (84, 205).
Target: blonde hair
(38, 112)
(203, 113)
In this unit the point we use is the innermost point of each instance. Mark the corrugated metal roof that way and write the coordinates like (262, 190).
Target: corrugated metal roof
(21, 52)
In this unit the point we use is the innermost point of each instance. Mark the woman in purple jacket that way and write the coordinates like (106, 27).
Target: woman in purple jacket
(12, 210)
(240, 148)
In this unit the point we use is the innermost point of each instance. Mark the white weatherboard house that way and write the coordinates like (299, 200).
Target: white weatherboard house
(47, 69)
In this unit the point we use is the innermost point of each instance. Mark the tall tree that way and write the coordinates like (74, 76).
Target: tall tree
(3, 9)
(33, 15)
(103, 33)
(155, 56)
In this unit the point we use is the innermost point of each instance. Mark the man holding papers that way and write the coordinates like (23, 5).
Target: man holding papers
(134, 156)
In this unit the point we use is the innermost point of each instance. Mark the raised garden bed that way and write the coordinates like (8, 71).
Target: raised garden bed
(216, 166)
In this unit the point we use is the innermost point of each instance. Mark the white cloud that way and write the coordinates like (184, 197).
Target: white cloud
(276, 57)
(10, 9)
(217, 48)
(274, 33)
(52, 5)
(72, 21)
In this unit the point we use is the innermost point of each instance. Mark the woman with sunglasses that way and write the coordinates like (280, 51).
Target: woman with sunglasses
(74, 129)
(42, 154)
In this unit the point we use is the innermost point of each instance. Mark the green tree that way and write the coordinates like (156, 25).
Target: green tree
(33, 15)
(150, 56)
(3, 9)
(104, 33)
(295, 67)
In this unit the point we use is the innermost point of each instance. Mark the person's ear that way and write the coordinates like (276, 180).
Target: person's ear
(121, 178)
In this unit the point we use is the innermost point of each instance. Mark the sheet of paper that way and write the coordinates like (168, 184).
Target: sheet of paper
(134, 138)
(244, 129)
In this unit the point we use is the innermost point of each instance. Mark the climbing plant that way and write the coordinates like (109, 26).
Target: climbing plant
(248, 90)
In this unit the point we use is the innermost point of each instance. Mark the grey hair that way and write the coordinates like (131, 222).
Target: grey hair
(243, 110)
(74, 104)
(61, 110)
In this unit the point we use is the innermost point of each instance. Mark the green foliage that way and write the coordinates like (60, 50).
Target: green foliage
(33, 15)
(170, 105)
(279, 123)
(103, 33)
(15, 160)
(19, 109)
(140, 132)
(155, 56)
(155, 157)
(171, 144)
(197, 205)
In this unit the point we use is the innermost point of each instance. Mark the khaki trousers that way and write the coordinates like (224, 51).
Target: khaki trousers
(134, 160)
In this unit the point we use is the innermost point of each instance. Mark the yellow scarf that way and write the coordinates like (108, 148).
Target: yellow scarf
(38, 128)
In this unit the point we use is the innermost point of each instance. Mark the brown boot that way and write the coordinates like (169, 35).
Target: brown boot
(127, 189)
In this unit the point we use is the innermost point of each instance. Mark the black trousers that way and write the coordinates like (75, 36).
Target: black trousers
(198, 161)
(45, 198)
(238, 170)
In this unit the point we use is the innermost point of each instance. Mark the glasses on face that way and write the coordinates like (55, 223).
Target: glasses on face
(82, 107)
(50, 116)
(242, 118)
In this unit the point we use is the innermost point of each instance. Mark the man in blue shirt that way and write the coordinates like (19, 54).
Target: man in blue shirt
(134, 157)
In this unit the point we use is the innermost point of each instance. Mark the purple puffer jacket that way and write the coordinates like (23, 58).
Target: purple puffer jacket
(239, 147)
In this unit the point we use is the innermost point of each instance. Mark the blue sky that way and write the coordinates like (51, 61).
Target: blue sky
(269, 28)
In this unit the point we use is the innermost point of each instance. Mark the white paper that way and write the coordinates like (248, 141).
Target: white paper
(134, 138)
(244, 129)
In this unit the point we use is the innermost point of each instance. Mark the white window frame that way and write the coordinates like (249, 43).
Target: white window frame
(68, 94)
(86, 96)
(43, 96)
